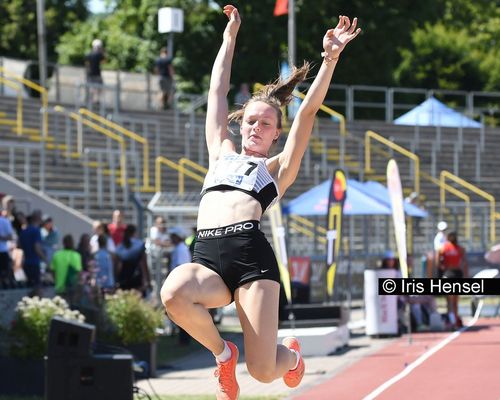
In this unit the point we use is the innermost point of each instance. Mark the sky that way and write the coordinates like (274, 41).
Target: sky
(96, 6)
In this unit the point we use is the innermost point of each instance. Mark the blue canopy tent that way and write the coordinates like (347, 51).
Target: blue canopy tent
(363, 198)
(380, 192)
(315, 202)
(434, 113)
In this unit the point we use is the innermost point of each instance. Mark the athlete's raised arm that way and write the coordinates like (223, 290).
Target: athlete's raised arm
(217, 108)
(290, 158)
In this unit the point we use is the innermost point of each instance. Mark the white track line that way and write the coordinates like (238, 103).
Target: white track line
(423, 357)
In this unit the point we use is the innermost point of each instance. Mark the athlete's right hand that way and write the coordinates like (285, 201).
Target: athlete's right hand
(234, 20)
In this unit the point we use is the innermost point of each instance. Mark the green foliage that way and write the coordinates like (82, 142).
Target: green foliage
(30, 329)
(18, 25)
(133, 319)
(443, 58)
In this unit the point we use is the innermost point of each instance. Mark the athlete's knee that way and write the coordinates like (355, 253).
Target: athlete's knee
(263, 372)
(174, 299)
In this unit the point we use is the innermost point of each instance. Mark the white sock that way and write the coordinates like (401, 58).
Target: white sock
(225, 355)
(297, 355)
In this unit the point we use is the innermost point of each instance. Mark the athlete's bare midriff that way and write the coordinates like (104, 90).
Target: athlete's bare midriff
(226, 207)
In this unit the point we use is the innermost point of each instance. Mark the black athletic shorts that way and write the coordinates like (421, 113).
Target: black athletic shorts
(239, 253)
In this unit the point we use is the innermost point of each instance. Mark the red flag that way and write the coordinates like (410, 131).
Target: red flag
(281, 8)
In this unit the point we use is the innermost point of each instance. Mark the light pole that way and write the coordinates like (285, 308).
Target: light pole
(42, 51)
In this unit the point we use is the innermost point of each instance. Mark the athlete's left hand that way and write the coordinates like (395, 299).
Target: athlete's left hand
(336, 39)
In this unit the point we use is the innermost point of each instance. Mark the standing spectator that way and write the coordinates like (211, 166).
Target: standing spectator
(116, 228)
(452, 262)
(85, 251)
(158, 233)
(101, 229)
(67, 266)
(133, 270)
(30, 241)
(105, 276)
(164, 68)
(180, 255)
(243, 95)
(440, 237)
(93, 62)
(6, 234)
(50, 237)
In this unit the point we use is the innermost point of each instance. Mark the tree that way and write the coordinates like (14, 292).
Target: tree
(18, 22)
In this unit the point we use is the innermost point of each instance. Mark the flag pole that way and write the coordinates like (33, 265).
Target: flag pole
(291, 33)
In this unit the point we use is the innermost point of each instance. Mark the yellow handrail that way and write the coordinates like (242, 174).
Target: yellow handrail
(192, 164)
(446, 174)
(328, 110)
(19, 111)
(308, 223)
(163, 160)
(394, 146)
(111, 135)
(44, 95)
(132, 135)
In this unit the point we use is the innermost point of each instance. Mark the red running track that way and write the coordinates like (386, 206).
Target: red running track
(468, 367)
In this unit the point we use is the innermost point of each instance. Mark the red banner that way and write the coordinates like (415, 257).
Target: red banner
(281, 8)
(300, 269)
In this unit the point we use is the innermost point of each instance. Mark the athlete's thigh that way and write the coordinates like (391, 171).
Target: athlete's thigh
(199, 284)
(257, 305)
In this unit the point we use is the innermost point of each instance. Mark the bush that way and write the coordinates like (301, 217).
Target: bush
(133, 320)
(30, 328)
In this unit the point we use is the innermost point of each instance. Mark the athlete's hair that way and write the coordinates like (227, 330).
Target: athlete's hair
(277, 94)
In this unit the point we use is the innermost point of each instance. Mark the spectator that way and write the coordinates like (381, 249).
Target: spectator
(180, 255)
(101, 229)
(158, 233)
(85, 251)
(30, 241)
(6, 234)
(133, 270)
(93, 62)
(440, 237)
(191, 240)
(243, 95)
(50, 237)
(105, 276)
(116, 228)
(164, 68)
(67, 265)
(452, 262)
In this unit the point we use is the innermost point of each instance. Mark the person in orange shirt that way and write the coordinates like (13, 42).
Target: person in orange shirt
(452, 263)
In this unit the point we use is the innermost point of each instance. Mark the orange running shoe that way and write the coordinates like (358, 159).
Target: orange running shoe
(227, 388)
(293, 377)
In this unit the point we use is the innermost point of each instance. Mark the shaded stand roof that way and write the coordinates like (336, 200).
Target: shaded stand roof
(434, 113)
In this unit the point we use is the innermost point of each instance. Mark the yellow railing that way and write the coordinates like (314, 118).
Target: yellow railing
(185, 161)
(307, 227)
(132, 135)
(493, 214)
(19, 111)
(44, 96)
(375, 136)
(111, 135)
(163, 160)
(329, 111)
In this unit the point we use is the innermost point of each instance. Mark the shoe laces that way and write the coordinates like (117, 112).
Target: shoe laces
(225, 375)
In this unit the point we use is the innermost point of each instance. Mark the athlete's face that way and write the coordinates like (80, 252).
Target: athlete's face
(259, 128)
